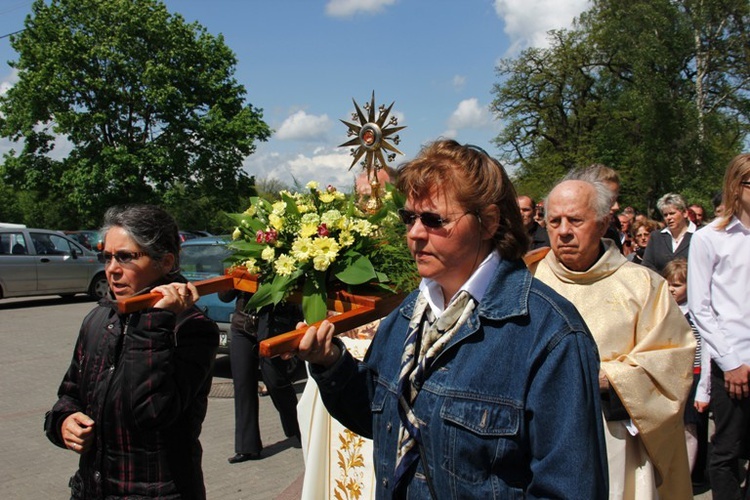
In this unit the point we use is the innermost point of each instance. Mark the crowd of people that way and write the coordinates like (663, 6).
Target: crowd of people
(544, 338)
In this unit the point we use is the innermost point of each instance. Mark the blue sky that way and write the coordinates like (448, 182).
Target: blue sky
(303, 61)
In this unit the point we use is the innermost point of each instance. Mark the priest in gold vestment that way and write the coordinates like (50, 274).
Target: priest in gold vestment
(645, 344)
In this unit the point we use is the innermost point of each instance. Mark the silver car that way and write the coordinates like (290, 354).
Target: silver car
(204, 258)
(45, 262)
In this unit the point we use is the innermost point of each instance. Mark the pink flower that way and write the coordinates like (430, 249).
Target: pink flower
(259, 236)
(272, 236)
(323, 230)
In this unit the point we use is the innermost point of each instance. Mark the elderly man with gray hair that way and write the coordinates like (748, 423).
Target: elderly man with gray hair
(645, 344)
(674, 240)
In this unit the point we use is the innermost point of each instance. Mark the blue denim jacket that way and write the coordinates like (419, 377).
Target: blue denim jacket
(509, 409)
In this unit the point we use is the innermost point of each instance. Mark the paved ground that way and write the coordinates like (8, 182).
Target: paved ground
(36, 344)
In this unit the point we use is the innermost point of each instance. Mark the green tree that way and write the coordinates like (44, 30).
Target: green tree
(147, 102)
(657, 89)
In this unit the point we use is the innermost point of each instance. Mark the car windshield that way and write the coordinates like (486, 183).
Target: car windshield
(203, 261)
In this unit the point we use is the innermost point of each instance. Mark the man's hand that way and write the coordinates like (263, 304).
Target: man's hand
(736, 382)
(78, 432)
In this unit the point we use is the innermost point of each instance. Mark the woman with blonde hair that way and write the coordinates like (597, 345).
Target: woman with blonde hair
(718, 287)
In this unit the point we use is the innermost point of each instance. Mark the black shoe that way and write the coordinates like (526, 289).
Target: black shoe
(243, 457)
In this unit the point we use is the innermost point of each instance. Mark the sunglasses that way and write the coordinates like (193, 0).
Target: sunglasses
(745, 183)
(429, 219)
(121, 257)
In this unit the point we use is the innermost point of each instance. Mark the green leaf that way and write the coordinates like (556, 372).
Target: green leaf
(271, 293)
(314, 306)
(357, 270)
(248, 247)
(263, 297)
(291, 205)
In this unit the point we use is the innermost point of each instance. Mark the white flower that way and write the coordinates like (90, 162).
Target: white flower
(284, 265)
(278, 208)
(268, 254)
(331, 218)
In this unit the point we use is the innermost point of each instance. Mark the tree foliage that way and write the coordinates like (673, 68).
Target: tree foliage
(657, 89)
(146, 103)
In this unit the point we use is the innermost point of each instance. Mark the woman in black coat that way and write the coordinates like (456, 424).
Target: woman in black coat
(674, 240)
(134, 398)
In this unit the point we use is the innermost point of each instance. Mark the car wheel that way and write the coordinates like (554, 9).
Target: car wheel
(99, 287)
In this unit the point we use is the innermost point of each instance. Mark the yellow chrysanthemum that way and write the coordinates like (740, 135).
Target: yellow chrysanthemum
(311, 218)
(251, 210)
(326, 246)
(326, 197)
(236, 233)
(302, 249)
(308, 230)
(363, 227)
(339, 195)
(285, 265)
(268, 254)
(346, 239)
(278, 208)
(276, 222)
(312, 185)
(251, 266)
(331, 218)
(321, 262)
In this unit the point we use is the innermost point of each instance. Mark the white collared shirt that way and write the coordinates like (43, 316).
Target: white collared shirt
(676, 242)
(718, 291)
(476, 285)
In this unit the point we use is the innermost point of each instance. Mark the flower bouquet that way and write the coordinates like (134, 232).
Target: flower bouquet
(317, 240)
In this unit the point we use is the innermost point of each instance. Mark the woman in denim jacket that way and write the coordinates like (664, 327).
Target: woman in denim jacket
(483, 383)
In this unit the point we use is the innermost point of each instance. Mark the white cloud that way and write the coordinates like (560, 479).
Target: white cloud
(468, 114)
(325, 165)
(527, 21)
(303, 127)
(348, 8)
(458, 82)
(9, 81)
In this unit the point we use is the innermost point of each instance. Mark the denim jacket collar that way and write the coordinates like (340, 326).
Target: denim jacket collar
(497, 304)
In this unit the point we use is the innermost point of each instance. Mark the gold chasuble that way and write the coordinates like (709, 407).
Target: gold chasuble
(646, 349)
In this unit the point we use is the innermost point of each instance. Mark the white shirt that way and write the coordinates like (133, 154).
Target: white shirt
(718, 291)
(676, 242)
(476, 285)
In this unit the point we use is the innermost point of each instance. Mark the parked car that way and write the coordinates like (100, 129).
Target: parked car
(46, 262)
(201, 259)
(187, 235)
(89, 238)
(200, 232)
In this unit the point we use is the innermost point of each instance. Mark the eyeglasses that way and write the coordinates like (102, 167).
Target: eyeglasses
(122, 257)
(745, 183)
(429, 219)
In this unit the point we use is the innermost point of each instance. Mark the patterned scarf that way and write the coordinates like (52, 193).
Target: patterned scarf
(435, 336)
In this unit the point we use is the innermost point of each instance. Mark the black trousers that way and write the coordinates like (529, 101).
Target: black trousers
(728, 445)
(243, 355)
